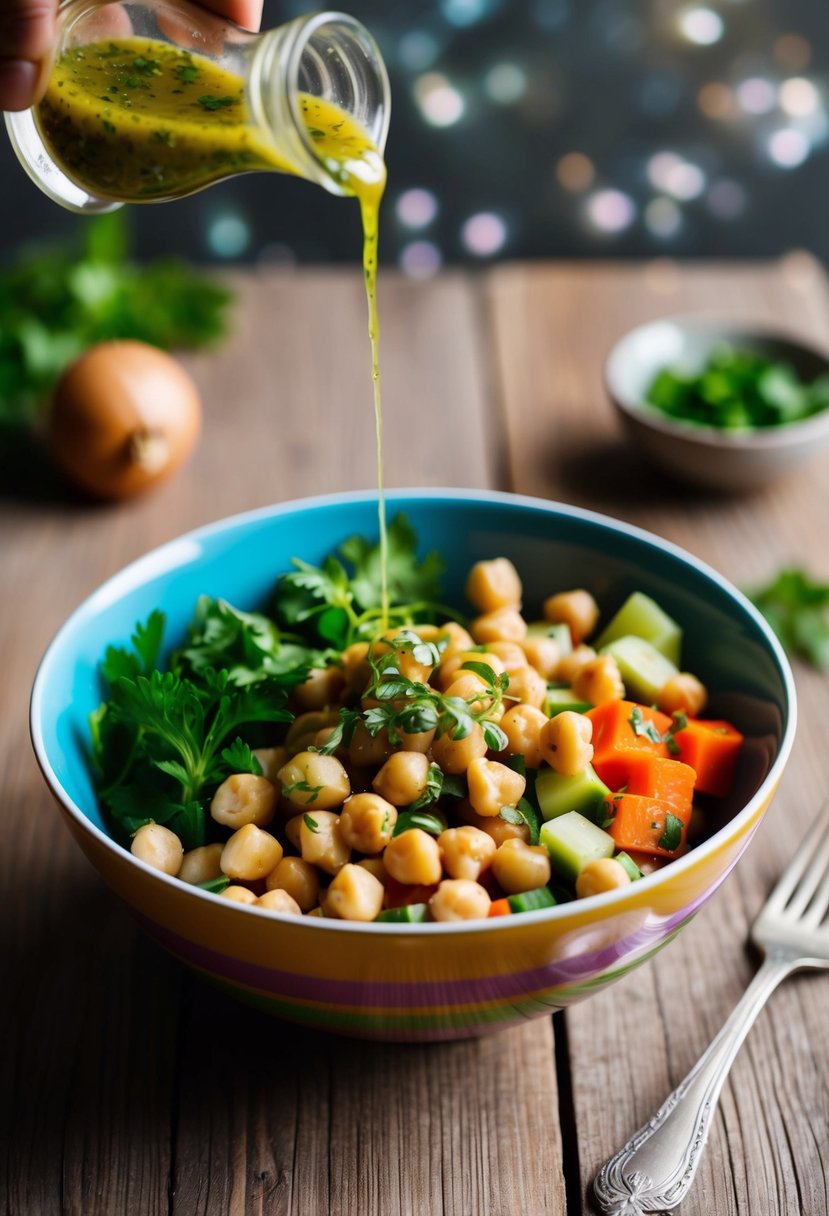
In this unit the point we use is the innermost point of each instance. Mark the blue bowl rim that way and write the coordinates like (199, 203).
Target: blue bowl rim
(159, 559)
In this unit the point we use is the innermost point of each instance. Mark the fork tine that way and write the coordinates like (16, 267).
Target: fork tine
(792, 874)
(814, 874)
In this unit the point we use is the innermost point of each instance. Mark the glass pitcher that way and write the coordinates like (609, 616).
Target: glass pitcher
(151, 100)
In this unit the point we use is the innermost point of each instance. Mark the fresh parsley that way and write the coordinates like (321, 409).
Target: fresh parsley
(671, 837)
(407, 820)
(161, 743)
(797, 607)
(57, 302)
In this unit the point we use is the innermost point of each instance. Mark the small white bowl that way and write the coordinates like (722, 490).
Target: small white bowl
(707, 456)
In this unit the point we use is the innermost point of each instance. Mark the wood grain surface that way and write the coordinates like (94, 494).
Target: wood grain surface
(126, 1085)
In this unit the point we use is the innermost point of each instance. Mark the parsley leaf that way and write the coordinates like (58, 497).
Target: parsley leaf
(409, 819)
(797, 608)
(671, 837)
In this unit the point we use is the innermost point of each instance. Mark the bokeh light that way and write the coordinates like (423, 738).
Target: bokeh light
(676, 176)
(484, 234)
(463, 13)
(663, 218)
(756, 95)
(726, 199)
(610, 211)
(440, 102)
(793, 51)
(788, 147)
(505, 83)
(798, 97)
(702, 26)
(228, 235)
(575, 172)
(420, 259)
(418, 50)
(715, 100)
(416, 208)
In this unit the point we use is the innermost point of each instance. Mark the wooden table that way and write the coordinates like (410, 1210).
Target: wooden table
(128, 1087)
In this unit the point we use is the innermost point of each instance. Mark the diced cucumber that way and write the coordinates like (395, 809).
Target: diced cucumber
(557, 794)
(531, 901)
(642, 617)
(561, 697)
(413, 914)
(629, 865)
(644, 669)
(560, 633)
(572, 841)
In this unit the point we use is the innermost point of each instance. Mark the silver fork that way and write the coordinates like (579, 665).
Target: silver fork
(655, 1169)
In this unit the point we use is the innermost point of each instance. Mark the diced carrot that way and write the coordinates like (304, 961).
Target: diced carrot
(712, 749)
(635, 771)
(624, 724)
(639, 824)
(399, 894)
(500, 907)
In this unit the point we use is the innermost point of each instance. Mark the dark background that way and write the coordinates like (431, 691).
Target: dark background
(537, 128)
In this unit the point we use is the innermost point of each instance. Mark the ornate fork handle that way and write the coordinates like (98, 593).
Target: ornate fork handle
(656, 1167)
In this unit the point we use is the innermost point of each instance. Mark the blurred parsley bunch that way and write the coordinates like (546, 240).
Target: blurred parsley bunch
(56, 303)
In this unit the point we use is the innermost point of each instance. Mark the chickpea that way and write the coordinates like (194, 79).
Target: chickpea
(271, 760)
(321, 842)
(467, 851)
(455, 636)
(600, 875)
(493, 785)
(299, 878)
(413, 857)
(244, 798)
(500, 625)
(599, 681)
(321, 689)
(522, 724)
(577, 609)
(571, 664)
(455, 755)
(354, 894)
(511, 654)
(292, 828)
(277, 900)
(375, 866)
(202, 864)
(496, 827)
(403, 778)
(565, 742)
(367, 820)
(366, 749)
(356, 668)
(250, 853)
(238, 895)
(459, 899)
(304, 726)
(454, 660)
(419, 741)
(521, 867)
(158, 847)
(544, 654)
(311, 779)
(412, 669)
(467, 685)
(527, 687)
(683, 693)
(494, 584)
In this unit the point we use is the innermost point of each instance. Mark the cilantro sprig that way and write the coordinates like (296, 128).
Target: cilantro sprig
(797, 607)
(339, 602)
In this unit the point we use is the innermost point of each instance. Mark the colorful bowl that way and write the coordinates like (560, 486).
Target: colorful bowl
(439, 981)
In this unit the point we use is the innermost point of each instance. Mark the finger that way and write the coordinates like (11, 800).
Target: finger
(247, 13)
(27, 30)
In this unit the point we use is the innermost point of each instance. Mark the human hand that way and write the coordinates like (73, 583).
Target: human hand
(27, 35)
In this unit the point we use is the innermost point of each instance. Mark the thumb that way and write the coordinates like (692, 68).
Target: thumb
(27, 30)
